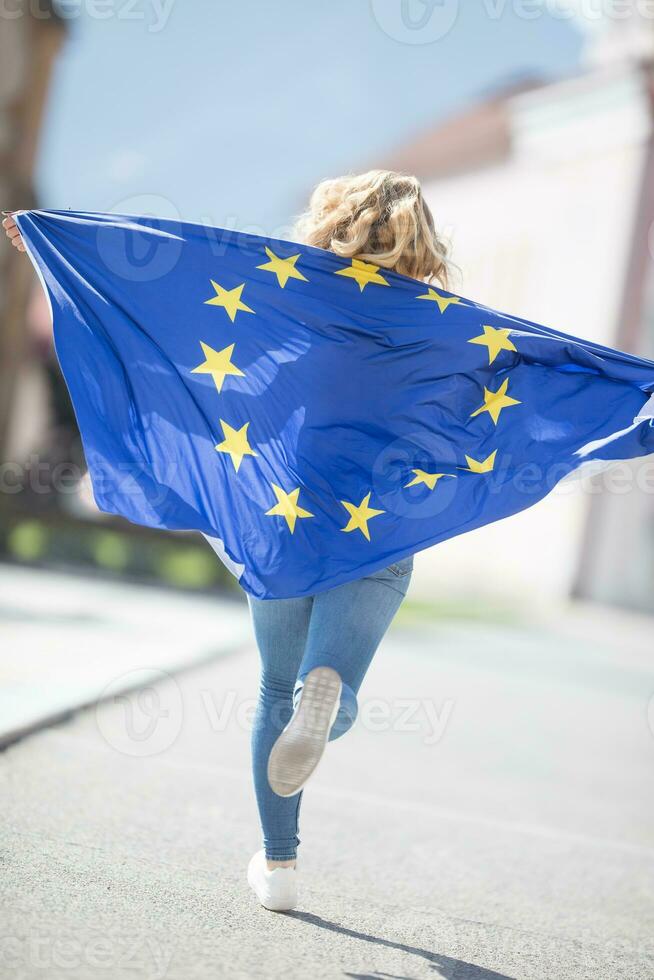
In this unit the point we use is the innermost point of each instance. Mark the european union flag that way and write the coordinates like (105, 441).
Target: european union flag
(316, 417)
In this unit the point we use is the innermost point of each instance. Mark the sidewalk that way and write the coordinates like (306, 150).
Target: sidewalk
(68, 640)
(489, 817)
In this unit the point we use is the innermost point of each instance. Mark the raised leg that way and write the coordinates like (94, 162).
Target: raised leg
(347, 625)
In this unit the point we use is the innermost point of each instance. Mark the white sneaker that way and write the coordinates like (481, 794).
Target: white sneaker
(299, 748)
(276, 890)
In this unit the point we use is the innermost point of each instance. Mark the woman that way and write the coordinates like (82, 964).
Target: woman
(315, 650)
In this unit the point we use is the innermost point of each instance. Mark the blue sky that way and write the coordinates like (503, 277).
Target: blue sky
(229, 112)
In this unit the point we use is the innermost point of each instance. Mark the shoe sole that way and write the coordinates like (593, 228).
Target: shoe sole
(299, 748)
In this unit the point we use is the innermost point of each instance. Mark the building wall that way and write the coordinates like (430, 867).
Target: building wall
(546, 234)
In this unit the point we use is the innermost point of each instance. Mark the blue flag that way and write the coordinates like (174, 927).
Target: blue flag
(317, 418)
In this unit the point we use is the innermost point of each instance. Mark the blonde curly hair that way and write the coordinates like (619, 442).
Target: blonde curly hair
(379, 217)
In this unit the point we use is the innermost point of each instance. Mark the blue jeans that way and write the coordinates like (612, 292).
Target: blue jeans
(339, 628)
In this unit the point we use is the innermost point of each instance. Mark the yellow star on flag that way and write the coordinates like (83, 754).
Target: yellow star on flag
(360, 515)
(363, 273)
(496, 340)
(284, 269)
(287, 506)
(235, 443)
(217, 363)
(429, 479)
(443, 301)
(495, 401)
(480, 465)
(229, 299)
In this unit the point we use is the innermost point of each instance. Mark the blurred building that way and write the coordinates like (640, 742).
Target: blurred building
(30, 37)
(547, 193)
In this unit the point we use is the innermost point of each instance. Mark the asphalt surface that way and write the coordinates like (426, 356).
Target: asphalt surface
(489, 817)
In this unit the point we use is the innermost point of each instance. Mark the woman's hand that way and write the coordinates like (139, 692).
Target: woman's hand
(13, 234)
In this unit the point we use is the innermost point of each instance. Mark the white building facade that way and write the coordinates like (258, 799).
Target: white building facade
(548, 198)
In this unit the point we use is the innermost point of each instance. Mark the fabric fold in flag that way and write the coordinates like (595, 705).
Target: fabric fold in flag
(318, 417)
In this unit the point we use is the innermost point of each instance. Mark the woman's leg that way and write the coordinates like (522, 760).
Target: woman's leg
(347, 625)
(280, 627)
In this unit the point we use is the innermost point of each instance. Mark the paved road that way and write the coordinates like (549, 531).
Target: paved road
(488, 818)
